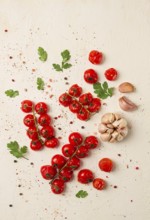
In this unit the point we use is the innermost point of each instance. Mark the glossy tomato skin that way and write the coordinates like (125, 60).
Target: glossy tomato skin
(75, 90)
(68, 150)
(36, 145)
(58, 161)
(85, 176)
(82, 152)
(44, 120)
(57, 186)
(83, 114)
(90, 76)
(66, 174)
(106, 164)
(75, 139)
(48, 172)
(41, 108)
(26, 106)
(95, 105)
(73, 163)
(52, 142)
(32, 133)
(75, 106)
(99, 184)
(91, 142)
(65, 99)
(47, 131)
(29, 120)
(86, 98)
(95, 57)
(111, 74)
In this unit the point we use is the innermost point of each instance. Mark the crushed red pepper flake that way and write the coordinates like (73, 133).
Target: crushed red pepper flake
(137, 168)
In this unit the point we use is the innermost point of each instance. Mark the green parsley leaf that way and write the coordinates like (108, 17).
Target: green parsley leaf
(102, 90)
(81, 194)
(57, 67)
(66, 65)
(40, 84)
(42, 54)
(15, 150)
(65, 55)
(11, 93)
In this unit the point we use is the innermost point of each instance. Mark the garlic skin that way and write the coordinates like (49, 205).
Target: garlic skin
(126, 87)
(126, 104)
(113, 127)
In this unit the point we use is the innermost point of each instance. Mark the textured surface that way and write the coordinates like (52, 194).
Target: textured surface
(121, 30)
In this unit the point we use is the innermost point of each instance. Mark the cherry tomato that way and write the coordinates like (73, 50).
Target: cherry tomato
(66, 174)
(41, 108)
(106, 164)
(111, 74)
(48, 172)
(57, 186)
(26, 106)
(90, 76)
(68, 150)
(65, 99)
(44, 120)
(58, 161)
(85, 176)
(52, 143)
(36, 145)
(75, 139)
(32, 133)
(73, 163)
(99, 184)
(29, 120)
(95, 57)
(95, 105)
(91, 142)
(75, 106)
(82, 152)
(83, 114)
(86, 98)
(47, 131)
(75, 90)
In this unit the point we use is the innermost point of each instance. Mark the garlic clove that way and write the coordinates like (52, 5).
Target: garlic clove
(108, 118)
(110, 126)
(112, 140)
(126, 87)
(120, 137)
(110, 130)
(105, 137)
(102, 128)
(124, 131)
(123, 123)
(116, 123)
(114, 134)
(126, 104)
(117, 116)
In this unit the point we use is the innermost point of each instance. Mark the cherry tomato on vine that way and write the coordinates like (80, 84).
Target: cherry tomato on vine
(99, 184)
(106, 164)
(68, 150)
(48, 172)
(73, 163)
(75, 138)
(95, 105)
(91, 142)
(29, 120)
(58, 161)
(111, 74)
(86, 98)
(57, 186)
(32, 133)
(75, 90)
(65, 99)
(85, 176)
(90, 76)
(41, 108)
(36, 145)
(83, 114)
(75, 106)
(47, 131)
(26, 106)
(52, 142)
(82, 152)
(44, 120)
(95, 57)
(66, 174)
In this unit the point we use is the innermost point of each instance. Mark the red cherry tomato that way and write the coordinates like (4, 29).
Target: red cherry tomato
(85, 176)
(32, 133)
(52, 143)
(65, 100)
(82, 152)
(111, 74)
(73, 163)
(66, 174)
(99, 184)
(36, 145)
(106, 164)
(91, 142)
(75, 139)
(83, 114)
(47, 131)
(75, 106)
(41, 108)
(95, 105)
(68, 150)
(90, 76)
(29, 120)
(86, 98)
(58, 161)
(75, 90)
(48, 172)
(44, 120)
(57, 186)
(95, 57)
(26, 106)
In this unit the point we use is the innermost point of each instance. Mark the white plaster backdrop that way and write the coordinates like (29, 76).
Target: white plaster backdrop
(121, 30)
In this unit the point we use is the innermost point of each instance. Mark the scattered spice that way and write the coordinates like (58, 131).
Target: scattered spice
(15, 161)
(115, 187)
(10, 205)
(119, 155)
(13, 80)
(20, 194)
(71, 122)
(10, 57)
(82, 127)
(6, 30)
(137, 168)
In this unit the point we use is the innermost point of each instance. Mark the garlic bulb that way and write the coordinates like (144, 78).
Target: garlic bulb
(113, 127)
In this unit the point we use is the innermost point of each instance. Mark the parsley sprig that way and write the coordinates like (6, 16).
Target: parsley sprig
(64, 64)
(16, 150)
(42, 54)
(12, 93)
(40, 83)
(102, 90)
(81, 194)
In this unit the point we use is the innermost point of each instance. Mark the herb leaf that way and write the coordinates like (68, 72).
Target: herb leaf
(15, 150)
(11, 93)
(65, 55)
(102, 90)
(81, 194)
(42, 54)
(64, 65)
(57, 67)
(40, 84)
